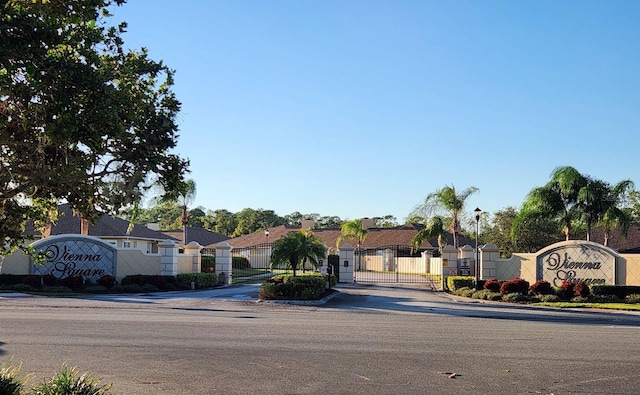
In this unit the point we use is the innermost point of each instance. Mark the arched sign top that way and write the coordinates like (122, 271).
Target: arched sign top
(577, 260)
(75, 256)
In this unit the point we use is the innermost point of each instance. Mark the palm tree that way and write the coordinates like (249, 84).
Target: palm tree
(446, 200)
(184, 196)
(558, 200)
(613, 214)
(296, 248)
(352, 230)
(434, 229)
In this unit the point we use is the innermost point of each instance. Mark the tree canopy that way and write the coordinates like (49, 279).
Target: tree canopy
(295, 248)
(575, 201)
(448, 201)
(82, 120)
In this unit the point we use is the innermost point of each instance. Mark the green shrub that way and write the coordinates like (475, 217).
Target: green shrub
(118, 288)
(57, 289)
(486, 294)
(494, 296)
(302, 287)
(96, 289)
(580, 299)
(633, 298)
(515, 297)
(548, 298)
(132, 288)
(21, 288)
(147, 288)
(457, 282)
(68, 381)
(605, 298)
(10, 383)
(201, 280)
(621, 291)
(465, 292)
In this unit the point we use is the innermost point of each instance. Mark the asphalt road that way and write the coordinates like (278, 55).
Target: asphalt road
(366, 340)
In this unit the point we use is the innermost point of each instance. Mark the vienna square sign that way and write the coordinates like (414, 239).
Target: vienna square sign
(576, 260)
(76, 255)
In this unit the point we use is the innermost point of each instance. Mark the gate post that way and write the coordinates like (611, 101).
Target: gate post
(346, 263)
(193, 249)
(168, 258)
(223, 261)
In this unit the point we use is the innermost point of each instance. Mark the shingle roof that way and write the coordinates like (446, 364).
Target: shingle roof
(616, 241)
(106, 226)
(376, 237)
(202, 236)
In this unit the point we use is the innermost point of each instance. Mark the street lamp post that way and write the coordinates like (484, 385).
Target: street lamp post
(477, 212)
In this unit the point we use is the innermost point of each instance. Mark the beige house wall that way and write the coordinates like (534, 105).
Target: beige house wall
(133, 261)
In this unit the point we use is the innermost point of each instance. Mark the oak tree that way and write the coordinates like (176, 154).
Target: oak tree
(82, 119)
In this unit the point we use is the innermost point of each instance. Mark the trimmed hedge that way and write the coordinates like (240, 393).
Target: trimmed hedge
(201, 280)
(301, 287)
(620, 291)
(457, 282)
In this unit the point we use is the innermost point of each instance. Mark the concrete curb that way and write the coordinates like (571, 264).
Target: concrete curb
(318, 302)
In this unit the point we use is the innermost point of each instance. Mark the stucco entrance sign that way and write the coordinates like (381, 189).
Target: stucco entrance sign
(575, 261)
(74, 255)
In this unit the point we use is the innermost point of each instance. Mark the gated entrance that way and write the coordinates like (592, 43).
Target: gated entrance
(393, 264)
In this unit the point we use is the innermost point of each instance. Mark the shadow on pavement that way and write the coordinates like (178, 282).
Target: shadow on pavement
(380, 300)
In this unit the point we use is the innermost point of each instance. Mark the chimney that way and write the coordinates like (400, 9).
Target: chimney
(367, 223)
(84, 226)
(308, 224)
(153, 226)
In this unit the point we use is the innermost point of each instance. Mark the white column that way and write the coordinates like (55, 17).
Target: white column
(168, 258)
(346, 263)
(193, 249)
(223, 262)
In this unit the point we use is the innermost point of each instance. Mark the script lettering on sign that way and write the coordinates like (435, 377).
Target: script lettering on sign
(65, 263)
(577, 261)
(76, 256)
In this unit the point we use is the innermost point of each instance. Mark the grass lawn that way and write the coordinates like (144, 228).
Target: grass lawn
(581, 305)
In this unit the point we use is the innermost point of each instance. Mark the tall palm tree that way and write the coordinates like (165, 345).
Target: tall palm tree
(446, 200)
(184, 196)
(613, 214)
(433, 229)
(353, 230)
(558, 199)
(296, 248)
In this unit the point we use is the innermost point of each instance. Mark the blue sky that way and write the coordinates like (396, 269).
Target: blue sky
(363, 108)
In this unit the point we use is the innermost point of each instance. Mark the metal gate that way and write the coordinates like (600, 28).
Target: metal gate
(393, 264)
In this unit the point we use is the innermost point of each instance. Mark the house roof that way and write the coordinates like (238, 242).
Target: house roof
(106, 226)
(376, 237)
(616, 241)
(202, 236)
